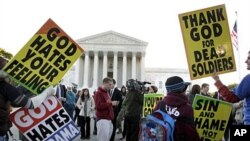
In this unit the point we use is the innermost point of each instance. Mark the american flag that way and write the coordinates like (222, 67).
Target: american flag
(234, 36)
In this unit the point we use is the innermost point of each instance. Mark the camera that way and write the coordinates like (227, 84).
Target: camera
(136, 85)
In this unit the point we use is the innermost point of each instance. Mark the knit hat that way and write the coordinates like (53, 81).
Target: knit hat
(176, 84)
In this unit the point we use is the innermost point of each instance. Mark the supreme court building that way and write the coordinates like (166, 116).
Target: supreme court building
(110, 54)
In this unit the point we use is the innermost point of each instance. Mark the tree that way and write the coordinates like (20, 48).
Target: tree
(8, 56)
(5, 54)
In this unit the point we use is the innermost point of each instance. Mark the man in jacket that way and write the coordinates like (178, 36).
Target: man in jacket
(133, 109)
(115, 95)
(241, 92)
(177, 106)
(104, 110)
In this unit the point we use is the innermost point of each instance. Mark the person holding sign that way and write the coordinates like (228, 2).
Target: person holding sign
(242, 91)
(10, 95)
(177, 106)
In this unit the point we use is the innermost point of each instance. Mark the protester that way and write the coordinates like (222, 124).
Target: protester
(94, 117)
(70, 102)
(217, 96)
(123, 92)
(241, 92)
(9, 95)
(115, 95)
(152, 89)
(176, 100)
(133, 109)
(104, 110)
(196, 89)
(74, 87)
(121, 113)
(86, 105)
(205, 89)
(61, 93)
(77, 110)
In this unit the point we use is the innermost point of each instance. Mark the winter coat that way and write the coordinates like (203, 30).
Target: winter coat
(133, 103)
(177, 106)
(104, 109)
(90, 106)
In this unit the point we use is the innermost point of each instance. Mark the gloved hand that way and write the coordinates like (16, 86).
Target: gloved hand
(37, 100)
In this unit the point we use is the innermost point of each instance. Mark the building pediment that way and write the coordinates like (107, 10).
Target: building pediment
(111, 38)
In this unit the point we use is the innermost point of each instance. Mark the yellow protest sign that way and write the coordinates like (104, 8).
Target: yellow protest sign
(149, 103)
(44, 59)
(207, 41)
(211, 117)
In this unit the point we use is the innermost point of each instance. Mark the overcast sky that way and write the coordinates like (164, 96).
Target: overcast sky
(153, 21)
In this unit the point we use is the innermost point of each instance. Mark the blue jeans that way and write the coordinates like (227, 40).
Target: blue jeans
(4, 138)
(70, 110)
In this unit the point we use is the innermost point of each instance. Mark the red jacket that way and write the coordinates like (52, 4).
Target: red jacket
(178, 107)
(104, 109)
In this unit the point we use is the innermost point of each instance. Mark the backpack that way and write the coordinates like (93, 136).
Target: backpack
(158, 126)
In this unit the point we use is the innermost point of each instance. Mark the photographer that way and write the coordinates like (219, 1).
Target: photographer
(133, 108)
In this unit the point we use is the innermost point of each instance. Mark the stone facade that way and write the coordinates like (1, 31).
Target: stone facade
(118, 56)
(110, 54)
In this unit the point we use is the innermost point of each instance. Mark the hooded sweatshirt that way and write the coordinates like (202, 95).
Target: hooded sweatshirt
(177, 106)
(104, 109)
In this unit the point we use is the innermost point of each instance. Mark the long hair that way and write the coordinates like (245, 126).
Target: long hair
(196, 89)
(83, 96)
(123, 88)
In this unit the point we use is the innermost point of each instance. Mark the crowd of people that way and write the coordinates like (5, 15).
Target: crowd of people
(108, 106)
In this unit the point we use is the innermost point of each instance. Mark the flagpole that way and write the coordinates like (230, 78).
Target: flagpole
(238, 52)
(237, 48)
(235, 44)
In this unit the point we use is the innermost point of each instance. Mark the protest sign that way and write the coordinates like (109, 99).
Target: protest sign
(211, 117)
(44, 59)
(149, 103)
(48, 122)
(207, 42)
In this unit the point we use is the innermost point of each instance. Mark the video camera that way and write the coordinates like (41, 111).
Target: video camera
(136, 85)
